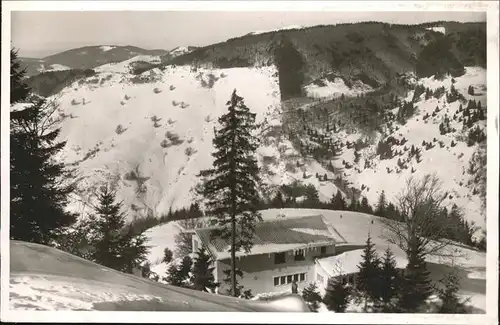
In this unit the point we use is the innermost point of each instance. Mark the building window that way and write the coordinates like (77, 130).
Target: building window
(287, 279)
(300, 255)
(195, 245)
(344, 280)
(323, 250)
(320, 278)
(279, 258)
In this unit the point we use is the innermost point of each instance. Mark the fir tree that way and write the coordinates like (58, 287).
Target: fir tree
(368, 281)
(365, 207)
(451, 302)
(389, 284)
(203, 277)
(19, 90)
(311, 296)
(230, 187)
(417, 286)
(354, 205)
(108, 221)
(185, 267)
(381, 205)
(134, 249)
(174, 276)
(338, 202)
(337, 295)
(167, 255)
(278, 201)
(39, 190)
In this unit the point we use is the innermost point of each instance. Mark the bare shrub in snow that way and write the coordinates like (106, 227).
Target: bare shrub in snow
(184, 105)
(190, 140)
(120, 129)
(127, 97)
(420, 203)
(157, 90)
(74, 102)
(174, 103)
(164, 143)
(208, 118)
(170, 121)
(122, 103)
(172, 87)
(189, 151)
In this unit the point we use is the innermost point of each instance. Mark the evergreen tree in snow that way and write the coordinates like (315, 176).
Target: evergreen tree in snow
(174, 276)
(134, 249)
(230, 187)
(278, 201)
(311, 296)
(106, 237)
(389, 281)
(416, 284)
(19, 90)
(365, 207)
(354, 205)
(338, 202)
(39, 187)
(167, 255)
(203, 277)
(337, 295)
(185, 267)
(381, 205)
(451, 301)
(368, 281)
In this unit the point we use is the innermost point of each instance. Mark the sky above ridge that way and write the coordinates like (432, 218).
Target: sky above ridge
(42, 33)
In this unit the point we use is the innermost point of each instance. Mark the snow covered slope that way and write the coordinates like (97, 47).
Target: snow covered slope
(449, 162)
(151, 134)
(44, 278)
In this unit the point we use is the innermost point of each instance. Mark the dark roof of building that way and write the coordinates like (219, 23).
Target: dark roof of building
(276, 236)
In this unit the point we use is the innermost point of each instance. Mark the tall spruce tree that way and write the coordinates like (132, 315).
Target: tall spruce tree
(203, 278)
(365, 206)
(19, 90)
(389, 281)
(451, 301)
(109, 222)
(337, 295)
(39, 188)
(381, 205)
(368, 281)
(311, 296)
(230, 187)
(417, 286)
(338, 202)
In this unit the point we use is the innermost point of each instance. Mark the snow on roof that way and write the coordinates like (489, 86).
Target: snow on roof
(347, 262)
(277, 235)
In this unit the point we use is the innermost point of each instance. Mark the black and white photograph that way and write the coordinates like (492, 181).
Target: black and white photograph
(334, 164)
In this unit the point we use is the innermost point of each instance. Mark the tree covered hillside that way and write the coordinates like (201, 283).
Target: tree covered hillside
(371, 52)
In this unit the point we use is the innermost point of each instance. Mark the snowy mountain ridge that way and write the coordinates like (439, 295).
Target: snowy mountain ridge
(150, 135)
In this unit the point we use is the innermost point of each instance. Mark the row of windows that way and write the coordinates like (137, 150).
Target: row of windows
(280, 258)
(287, 279)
